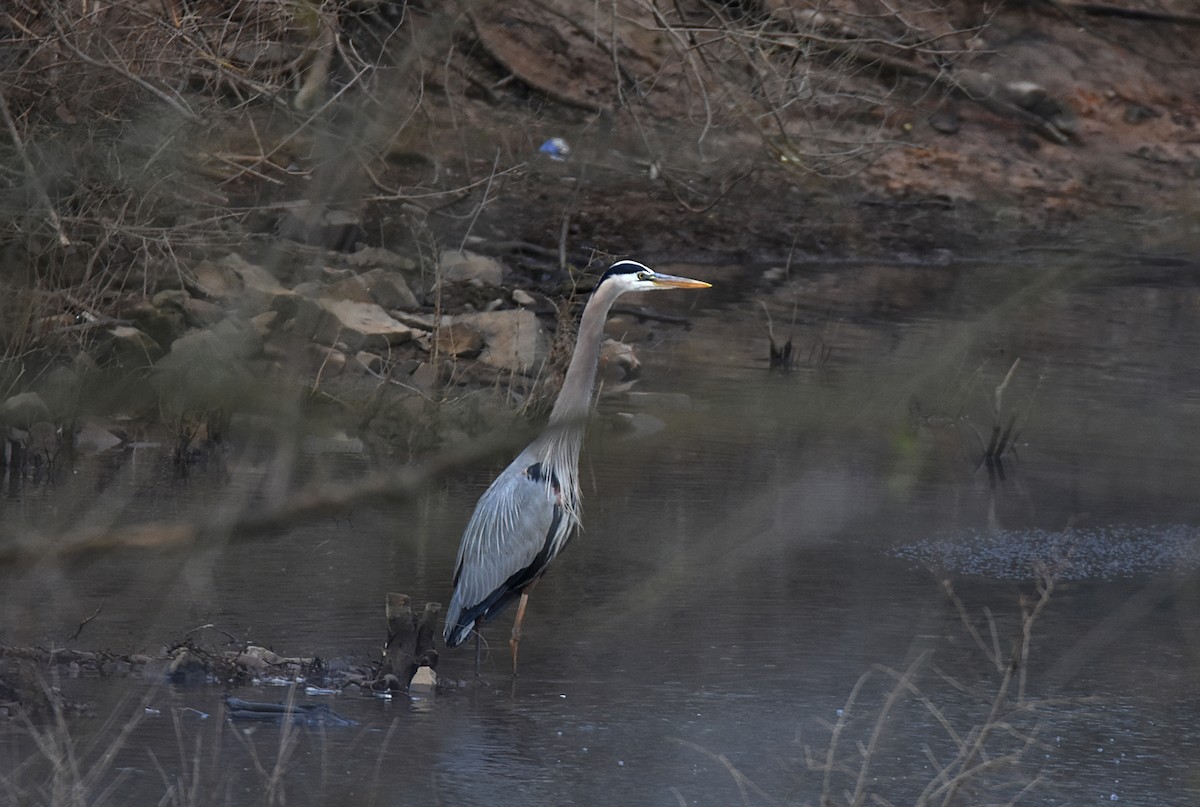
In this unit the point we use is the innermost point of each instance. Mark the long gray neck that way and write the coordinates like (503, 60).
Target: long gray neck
(562, 439)
(575, 399)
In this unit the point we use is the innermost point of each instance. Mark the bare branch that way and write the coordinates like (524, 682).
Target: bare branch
(31, 172)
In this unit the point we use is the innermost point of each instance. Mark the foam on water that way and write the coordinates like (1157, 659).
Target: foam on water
(1099, 553)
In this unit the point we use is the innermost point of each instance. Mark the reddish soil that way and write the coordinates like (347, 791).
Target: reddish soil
(933, 170)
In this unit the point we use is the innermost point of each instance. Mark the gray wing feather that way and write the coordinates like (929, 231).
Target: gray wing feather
(506, 532)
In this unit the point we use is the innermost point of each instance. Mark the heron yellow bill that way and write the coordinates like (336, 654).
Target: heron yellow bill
(674, 282)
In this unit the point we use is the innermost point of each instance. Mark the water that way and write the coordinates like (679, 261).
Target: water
(741, 570)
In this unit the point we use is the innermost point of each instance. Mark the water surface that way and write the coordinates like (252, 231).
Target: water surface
(741, 569)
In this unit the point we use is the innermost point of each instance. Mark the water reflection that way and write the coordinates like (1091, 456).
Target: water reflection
(738, 572)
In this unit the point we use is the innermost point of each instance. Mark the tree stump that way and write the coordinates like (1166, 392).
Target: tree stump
(410, 641)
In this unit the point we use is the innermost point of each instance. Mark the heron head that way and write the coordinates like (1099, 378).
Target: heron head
(634, 276)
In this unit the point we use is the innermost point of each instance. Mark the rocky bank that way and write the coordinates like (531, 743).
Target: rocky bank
(372, 218)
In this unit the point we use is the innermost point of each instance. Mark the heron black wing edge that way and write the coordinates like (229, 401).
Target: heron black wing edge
(498, 599)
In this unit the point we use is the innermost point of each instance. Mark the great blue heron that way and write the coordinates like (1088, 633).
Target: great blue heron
(527, 515)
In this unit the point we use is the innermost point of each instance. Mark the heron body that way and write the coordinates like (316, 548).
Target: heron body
(531, 510)
(520, 524)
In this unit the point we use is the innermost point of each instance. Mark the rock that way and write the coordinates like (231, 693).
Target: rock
(370, 361)
(309, 288)
(627, 328)
(945, 120)
(208, 370)
(60, 388)
(424, 679)
(242, 340)
(326, 360)
(233, 279)
(515, 340)
(170, 298)
(126, 346)
(352, 288)
(162, 319)
(182, 661)
(422, 322)
(317, 225)
(424, 377)
(406, 367)
(1136, 113)
(261, 291)
(522, 297)
(334, 274)
(82, 364)
(201, 313)
(618, 360)
(371, 257)
(250, 661)
(212, 280)
(93, 435)
(264, 324)
(1036, 99)
(23, 410)
(389, 289)
(458, 340)
(358, 325)
(462, 266)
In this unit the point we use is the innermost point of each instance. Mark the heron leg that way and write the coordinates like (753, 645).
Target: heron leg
(515, 642)
(478, 652)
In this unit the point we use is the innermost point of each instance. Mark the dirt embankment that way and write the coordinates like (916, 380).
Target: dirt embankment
(719, 129)
(857, 130)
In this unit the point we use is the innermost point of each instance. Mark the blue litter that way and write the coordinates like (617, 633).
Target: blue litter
(556, 149)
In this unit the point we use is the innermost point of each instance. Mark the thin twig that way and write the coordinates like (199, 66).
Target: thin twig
(835, 737)
(79, 629)
(1003, 385)
(175, 102)
(1045, 588)
(743, 782)
(31, 172)
(487, 188)
(994, 658)
(885, 712)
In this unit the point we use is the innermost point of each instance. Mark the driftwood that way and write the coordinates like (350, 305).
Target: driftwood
(410, 642)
